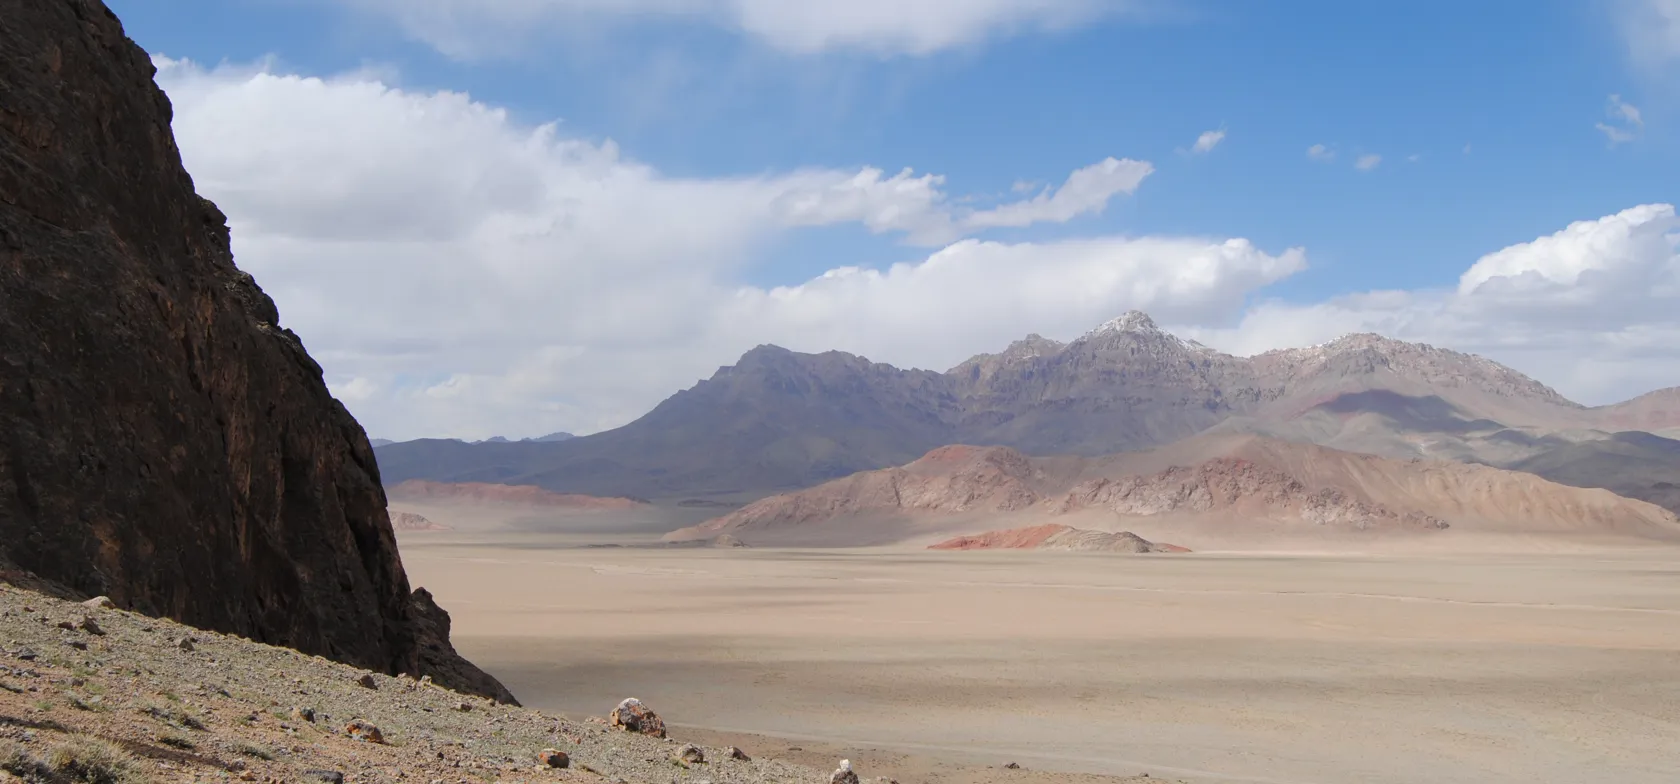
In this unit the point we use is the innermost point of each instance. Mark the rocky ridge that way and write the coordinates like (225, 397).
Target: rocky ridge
(166, 442)
(779, 420)
(1234, 482)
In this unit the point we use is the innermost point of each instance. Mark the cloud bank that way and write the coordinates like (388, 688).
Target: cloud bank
(459, 273)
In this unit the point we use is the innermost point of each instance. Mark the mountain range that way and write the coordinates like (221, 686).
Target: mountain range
(778, 420)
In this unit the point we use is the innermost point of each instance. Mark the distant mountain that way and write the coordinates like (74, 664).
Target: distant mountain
(561, 436)
(779, 420)
(379, 442)
(1200, 491)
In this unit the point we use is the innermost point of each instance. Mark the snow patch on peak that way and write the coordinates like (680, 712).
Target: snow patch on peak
(1130, 321)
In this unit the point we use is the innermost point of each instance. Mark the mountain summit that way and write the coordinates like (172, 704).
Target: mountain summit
(780, 420)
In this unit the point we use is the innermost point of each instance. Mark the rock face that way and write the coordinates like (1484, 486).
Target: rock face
(163, 440)
(1052, 536)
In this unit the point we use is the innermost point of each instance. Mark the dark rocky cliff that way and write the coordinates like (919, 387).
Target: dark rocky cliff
(163, 440)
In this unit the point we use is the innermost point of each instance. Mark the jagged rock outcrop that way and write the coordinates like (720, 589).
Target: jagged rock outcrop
(163, 440)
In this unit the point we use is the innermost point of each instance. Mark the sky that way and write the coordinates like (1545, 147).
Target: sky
(513, 217)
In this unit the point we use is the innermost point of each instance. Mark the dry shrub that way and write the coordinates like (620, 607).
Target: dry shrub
(94, 761)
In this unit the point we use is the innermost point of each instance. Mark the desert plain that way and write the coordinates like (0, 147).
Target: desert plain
(1551, 660)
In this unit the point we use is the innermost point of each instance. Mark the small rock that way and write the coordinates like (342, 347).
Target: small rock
(80, 645)
(843, 774)
(1013, 766)
(66, 625)
(633, 716)
(364, 731)
(88, 625)
(25, 654)
(367, 681)
(691, 753)
(463, 707)
(328, 776)
(554, 758)
(304, 714)
(185, 643)
(737, 754)
(100, 603)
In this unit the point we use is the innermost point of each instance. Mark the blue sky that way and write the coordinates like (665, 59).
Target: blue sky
(1485, 117)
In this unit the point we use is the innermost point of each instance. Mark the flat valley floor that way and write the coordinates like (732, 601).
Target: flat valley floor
(1295, 669)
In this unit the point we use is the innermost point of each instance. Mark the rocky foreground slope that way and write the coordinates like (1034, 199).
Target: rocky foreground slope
(163, 439)
(1233, 483)
(91, 694)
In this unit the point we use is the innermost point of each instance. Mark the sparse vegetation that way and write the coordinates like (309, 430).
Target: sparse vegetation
(89, 760)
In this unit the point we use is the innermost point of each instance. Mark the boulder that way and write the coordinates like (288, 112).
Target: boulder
(632, 716)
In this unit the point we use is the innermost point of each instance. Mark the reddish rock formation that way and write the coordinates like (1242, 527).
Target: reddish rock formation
(1052, 536)
(418, 490)
(163, 440)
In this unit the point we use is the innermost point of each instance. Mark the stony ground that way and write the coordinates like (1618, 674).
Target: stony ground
(97, 695)
(122, 694)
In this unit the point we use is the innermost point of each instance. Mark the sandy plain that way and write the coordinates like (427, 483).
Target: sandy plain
(1292, 668)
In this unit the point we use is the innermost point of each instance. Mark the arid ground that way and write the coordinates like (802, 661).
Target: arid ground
(1300, 668)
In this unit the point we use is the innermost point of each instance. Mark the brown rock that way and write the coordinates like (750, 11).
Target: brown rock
(160, 420)
(737, 754)
(304, 714)
(631, 715)
(364, 731)
(100, 603)
(185, 644)
(367, 681)
(554, 758)
(90, 626)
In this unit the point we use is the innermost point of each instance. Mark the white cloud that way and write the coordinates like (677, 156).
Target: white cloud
(1629, 122)
(1652, 30)
(1414, 157)
(459, 273)
(468, 28)
(1207, 141)
(1368, 162)
(1593, 309)
(1319, 152)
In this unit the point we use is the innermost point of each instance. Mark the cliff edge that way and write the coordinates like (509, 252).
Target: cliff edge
(163, 440)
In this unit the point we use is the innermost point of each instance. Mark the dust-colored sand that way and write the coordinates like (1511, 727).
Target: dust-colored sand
(1327, 669)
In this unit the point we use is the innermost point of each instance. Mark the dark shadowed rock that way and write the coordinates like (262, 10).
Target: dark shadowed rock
(164, 441)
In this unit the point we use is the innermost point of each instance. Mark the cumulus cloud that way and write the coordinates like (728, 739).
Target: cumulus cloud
(1368, 162)
(1319, 152)
(1207, 141)
(917, 27)
(457, 272)
(1593, 309)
